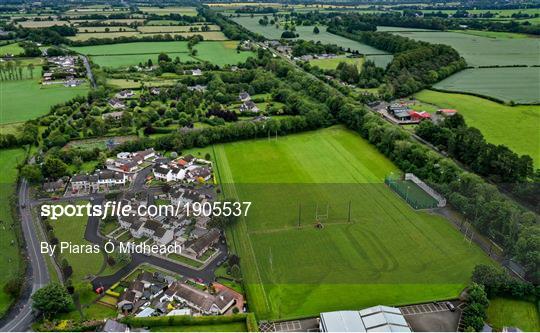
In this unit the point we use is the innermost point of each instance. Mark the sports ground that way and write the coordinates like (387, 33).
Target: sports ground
(380, 251)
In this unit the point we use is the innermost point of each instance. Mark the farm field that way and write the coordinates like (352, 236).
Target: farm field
(27, 99)
(10, 259)
(127, 54)
(515, 313)
(188, 11)
(493, 120)
(518, 84)
(389, 254)
(306, 33)
(42, 24)
(82, 36)
(484, 51)
(104, 29)
(334, 62)
(13, 48)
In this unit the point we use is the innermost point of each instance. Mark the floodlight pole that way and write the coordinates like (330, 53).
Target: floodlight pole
(299, 213)
(349, 214)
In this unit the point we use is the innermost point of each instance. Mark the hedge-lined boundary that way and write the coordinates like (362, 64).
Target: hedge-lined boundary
(247, 318)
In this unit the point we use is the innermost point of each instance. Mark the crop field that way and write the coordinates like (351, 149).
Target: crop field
(42, 24)
(82, 36)
(306, 33)
(188, 11)
(13, 48)
(10, 259)
(518, 84)
(27, 99)
(334, 62)
(386, 254)
(498, 123)
(514, 313)
(484, 51)
(104, 29)
(127, 54)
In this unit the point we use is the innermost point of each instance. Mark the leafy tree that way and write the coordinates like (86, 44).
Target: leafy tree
(52, 299)
(316, 30)
(54, 168)
(32, 173)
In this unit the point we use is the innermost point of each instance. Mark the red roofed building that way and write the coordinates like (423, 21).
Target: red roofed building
(418, 116)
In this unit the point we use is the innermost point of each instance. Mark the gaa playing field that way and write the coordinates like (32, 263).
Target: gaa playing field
(372, 248)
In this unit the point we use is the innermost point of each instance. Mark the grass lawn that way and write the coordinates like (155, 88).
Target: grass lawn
(133, 48)
(221, 53)
(71, 229)
(27, 99)
(229, 327)
(388, 253)
(10, 260)
(508, 312)
(14, 49)
(334, 62)
(517, 127)
(185, 260)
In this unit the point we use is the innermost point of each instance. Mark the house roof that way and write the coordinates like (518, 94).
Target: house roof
(114, 326)
(199, 298)
(206, 240)
(145, 276)
(162, 169)
(152, 225)
(128, 296)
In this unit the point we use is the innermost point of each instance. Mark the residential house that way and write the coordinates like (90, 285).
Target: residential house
(249, 106)
(202, 172)
(112, 325)
(202, 244)
(419, 115)
(198, 87)
(244, 96)
(199, 300)
(196, 72)
(54, 186)
(127, 298)
(124, 94)
(116, 104)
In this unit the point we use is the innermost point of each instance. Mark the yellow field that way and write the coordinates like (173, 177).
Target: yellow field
(42, 24)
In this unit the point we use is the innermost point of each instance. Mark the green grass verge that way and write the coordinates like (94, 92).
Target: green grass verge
(517, 127)
(504, 312)
(390, 254)
(10, 261)
(229, 327)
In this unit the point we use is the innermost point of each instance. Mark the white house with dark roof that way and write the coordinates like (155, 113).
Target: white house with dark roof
(199, 300)
(249, 106)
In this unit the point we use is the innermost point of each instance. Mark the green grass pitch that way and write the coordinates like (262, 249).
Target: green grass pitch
(515, 313)
(388, 253)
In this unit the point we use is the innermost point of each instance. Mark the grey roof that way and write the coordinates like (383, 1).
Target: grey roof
(114, 326)
(374, 319)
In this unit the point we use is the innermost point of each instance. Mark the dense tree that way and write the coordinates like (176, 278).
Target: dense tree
(52, 299)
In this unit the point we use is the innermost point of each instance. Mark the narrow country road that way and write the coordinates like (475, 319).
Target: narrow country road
(22, 320)
(88, 71)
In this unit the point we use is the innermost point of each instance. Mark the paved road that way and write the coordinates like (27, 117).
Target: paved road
(92, 235)
(88, 71)
(40, 274)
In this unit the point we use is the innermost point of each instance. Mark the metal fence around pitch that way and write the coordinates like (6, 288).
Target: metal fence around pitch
(415, 196)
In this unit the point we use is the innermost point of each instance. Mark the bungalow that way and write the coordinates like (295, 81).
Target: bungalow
(155, 91)
(244, 96)
(145, 154)
(249, 106)
(112, 115)
(196, 72)
(125, 94)
(199, 173)
(202, 244)
(198, 87)
(200, 300)
(116, 104)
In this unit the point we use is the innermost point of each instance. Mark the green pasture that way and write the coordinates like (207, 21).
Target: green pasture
(306, 33)
(228, 327)
(332, 63)
(380, 251)
(484, 51)
(221, 53)
(505, 312)
(22, 100)
(518, 84)
(10, 260)
(14, 49)
(517, 127)
(188, 11)
(134, 59)
(133, 48)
